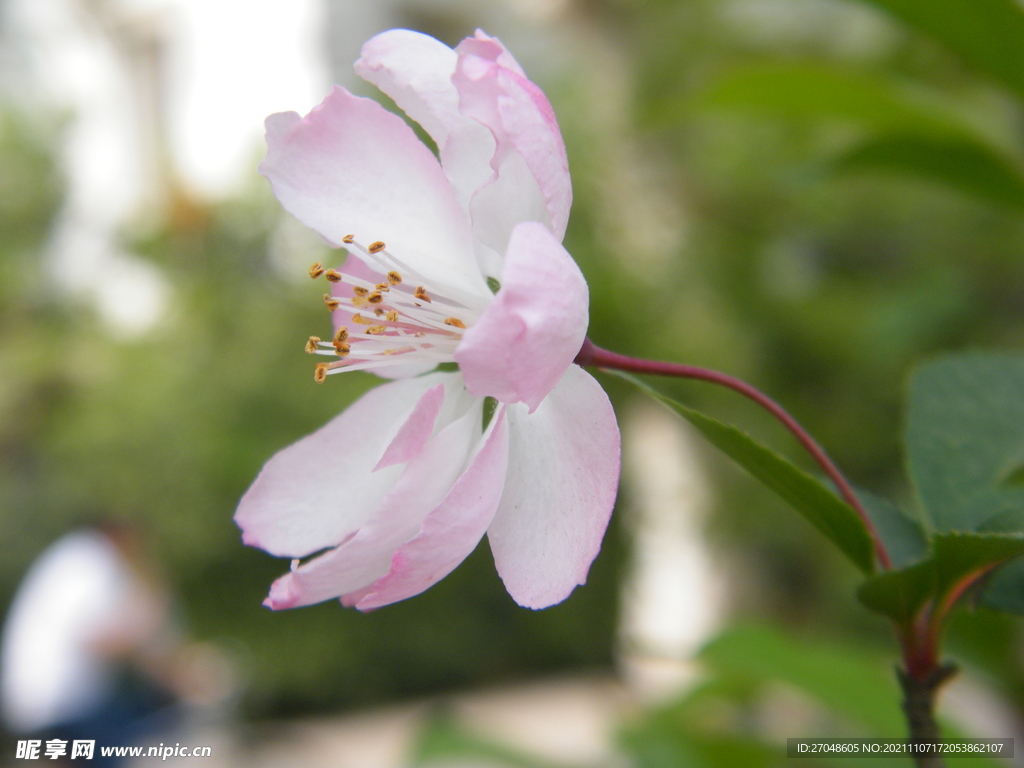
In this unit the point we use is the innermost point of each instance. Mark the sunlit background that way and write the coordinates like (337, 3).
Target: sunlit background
(812, 195)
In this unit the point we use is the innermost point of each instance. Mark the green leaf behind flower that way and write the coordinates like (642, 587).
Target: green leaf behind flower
(901, 535)
(965, 442)
(955, 557)
(808, 496)
(988, 35)
(812, 90)
(972, 167)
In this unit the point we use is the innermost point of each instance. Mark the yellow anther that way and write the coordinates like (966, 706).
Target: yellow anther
(375, 298)
(389, 351)
(348, 239)
(340, 335)
(383, 287)
(394, 278)
(331, 302)
(311, 345)
(378, 312)
(421, 293)
(341, 348)
(376, 330)
(321, 373)
(420, 334)
(359, 301)
(358, 290)
(454, 321)
(393, 316)
(316, 270)
(333, 275)
(376, 247)
(360, 320)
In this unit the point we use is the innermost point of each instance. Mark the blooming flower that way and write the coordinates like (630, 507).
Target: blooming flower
(402, 486)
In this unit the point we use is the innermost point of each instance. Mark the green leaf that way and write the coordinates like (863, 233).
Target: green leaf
(959, 555)
(819, 91)
(965, 442)
(900, 534)
(822, 508)
(843, 679)
(901, 594)
(1005, 590)
(966, 164)
(987, 34)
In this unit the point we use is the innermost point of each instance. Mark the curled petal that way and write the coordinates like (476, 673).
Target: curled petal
(563, 473)
(529, 335)
(531, 171)
(352, 167)
(451, 531)
(482, 44)
(366, 556)
(315, 493)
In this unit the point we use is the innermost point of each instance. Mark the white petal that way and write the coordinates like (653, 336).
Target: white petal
(531, 173)
(352, 167)
(416, 71)
(451, 531)
(559, 492)
(316, 492)
(365, 557)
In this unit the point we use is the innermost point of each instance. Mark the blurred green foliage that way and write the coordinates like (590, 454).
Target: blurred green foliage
(760, 687)
(848, 177)
(760, 683)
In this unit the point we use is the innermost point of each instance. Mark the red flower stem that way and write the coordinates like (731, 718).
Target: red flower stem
(592, 355)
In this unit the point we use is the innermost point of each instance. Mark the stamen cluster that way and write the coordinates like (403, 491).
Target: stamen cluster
(389, 322)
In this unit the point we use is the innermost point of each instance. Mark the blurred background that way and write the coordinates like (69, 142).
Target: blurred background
(812, 195)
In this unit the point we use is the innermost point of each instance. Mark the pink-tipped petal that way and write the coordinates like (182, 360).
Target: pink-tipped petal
(352, 167)
(526, 338)
(366, 556)
(563, 473)
(416, 430)
(350, 599)
(313, 494)
(416, 71)
(491, 48)
(531, 171)
(450, 532)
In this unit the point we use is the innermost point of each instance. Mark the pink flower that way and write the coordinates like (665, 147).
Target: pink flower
(402, 486)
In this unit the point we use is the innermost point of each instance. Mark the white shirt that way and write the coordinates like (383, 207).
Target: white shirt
(73, 594)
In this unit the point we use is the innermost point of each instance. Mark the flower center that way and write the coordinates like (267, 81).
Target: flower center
(390, 315)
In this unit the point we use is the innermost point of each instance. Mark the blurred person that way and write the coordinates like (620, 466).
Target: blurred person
(90, 648)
